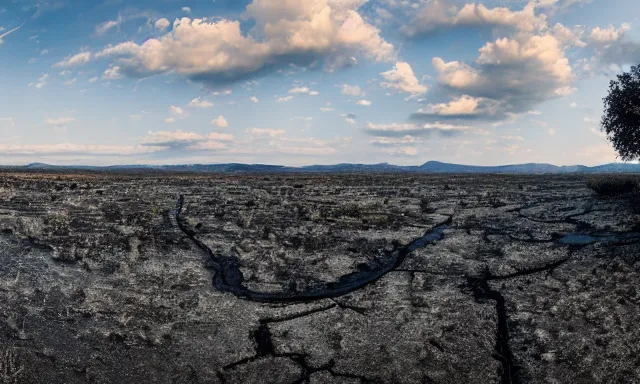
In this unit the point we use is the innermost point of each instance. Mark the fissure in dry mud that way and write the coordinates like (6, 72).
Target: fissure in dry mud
(113, 288)
(229, 278)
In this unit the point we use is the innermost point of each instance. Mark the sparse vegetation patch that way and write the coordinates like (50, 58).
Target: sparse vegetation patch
(613, 185)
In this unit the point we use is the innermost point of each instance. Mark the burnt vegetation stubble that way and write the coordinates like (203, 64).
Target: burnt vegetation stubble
(370, 272)
(420, 202)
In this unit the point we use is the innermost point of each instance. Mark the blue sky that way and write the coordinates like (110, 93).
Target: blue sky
(301, 82)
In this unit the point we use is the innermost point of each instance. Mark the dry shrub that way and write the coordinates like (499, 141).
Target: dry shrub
(10, 368)
(613, 185)
(634, 202)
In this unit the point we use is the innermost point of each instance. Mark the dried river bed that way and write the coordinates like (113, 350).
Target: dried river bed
(316, 279)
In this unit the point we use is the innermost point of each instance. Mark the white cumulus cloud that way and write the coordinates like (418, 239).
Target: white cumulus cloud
(162, 24)
(437, 14)
(284, 99)
(266, 132)
(198, 102)
(609, 34)
(101, 29)
(351, 90)
(78, 59)
(216, 50)
(220, 121)
(112, 73)
(401, 78)
(176, 113)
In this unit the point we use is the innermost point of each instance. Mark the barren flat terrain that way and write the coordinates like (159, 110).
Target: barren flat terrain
(316, 279)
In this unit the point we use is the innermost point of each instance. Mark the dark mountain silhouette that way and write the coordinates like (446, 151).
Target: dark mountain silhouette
(428, 167)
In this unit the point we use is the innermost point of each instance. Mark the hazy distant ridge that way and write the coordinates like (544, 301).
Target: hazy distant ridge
(428, 167)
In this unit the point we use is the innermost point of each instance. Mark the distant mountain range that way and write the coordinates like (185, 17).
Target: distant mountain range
(428, 167)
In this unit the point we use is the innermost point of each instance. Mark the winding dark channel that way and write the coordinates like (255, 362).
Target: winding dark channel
(229, 278)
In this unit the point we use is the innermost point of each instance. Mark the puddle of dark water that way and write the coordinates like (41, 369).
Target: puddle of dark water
(577, 239)
(228, 276)
(428, 238)
(586, 239)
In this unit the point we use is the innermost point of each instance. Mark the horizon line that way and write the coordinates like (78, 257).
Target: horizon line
(32, 164)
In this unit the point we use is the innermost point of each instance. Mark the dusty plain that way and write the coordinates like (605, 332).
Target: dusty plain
(316, 279)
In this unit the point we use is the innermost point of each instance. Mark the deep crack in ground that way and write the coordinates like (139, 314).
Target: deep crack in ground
(99, 283)
(264, 348)
(483, 291)
(229, 278)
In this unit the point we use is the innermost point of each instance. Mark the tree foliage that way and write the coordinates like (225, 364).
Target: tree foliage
(621, 119)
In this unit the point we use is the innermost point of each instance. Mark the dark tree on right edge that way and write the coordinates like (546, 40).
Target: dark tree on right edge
(621, 119)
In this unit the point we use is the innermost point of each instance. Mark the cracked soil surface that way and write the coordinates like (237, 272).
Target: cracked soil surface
(316, 279)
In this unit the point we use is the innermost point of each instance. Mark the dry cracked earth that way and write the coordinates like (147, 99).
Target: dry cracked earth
(316, 279)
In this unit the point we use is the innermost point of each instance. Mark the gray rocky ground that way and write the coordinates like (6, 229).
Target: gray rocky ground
(101, 282)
